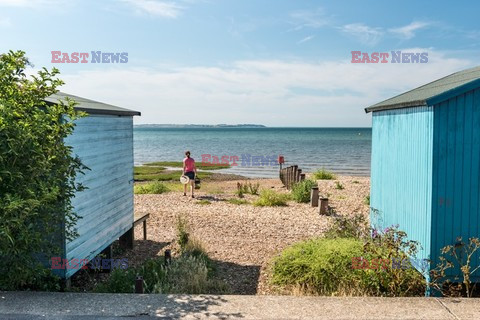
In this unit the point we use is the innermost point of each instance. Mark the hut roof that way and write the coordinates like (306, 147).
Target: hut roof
(433, 92)
(91, 106)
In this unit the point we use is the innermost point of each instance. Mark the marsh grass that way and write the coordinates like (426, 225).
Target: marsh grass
(179, 164)
(151, 188)
(162, 175)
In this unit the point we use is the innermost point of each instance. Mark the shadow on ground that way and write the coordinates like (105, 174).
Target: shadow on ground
(193, 306)
(241, 279)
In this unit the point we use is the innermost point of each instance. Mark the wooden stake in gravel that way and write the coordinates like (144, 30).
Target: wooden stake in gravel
(314, 197)
(324, 206)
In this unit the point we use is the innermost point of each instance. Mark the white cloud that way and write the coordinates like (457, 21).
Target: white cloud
(156, 8)
(308, 38)
(365, 34)
(408, 31)
(271, 92)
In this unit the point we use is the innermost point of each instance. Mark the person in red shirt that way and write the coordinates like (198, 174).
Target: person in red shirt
(190, 170)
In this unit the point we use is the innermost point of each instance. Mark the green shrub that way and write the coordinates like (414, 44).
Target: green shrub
(355, 226)
(367, 200)
(151, 188)
(322, 174)
(320, 266)
(38, 173)
(301, 190)
(349, 266)
(237, 201)
(339, 186)
(270, 198)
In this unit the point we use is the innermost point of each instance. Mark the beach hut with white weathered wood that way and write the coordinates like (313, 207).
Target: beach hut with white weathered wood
(425, 173)
(103, 140)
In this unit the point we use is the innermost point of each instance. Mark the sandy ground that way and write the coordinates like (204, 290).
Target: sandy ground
(242, 239)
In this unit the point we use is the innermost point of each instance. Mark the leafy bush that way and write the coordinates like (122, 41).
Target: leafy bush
(270, 198)
(322, 174)
(151, 188)
(37, 174)
(339, 186)
(349, 266)
(355, 226)
(237, 201)
(301, 190)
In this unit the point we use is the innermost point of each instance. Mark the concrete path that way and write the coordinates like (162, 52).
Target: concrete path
(44, 305)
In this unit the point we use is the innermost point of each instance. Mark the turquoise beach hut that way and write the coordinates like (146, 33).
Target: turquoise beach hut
(425, 170)
(103, 140)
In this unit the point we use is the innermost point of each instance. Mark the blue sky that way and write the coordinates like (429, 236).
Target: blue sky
(278, 63)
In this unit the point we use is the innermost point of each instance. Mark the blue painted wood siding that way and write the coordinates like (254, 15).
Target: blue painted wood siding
(401, 173)
(105, 145)
(456, 171)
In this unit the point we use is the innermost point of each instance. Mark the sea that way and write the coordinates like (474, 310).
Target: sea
(253, 152)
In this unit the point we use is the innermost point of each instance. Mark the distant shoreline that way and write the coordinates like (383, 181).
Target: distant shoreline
(199, 126)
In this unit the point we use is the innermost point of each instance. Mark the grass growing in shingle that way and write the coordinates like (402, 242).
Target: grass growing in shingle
(270, 198)
(204, 202)
(323, 174)
(151, 188)
(237, 201)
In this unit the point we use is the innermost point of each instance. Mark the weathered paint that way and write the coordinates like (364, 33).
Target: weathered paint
(401, 173)
(105, 145)
(456, 161)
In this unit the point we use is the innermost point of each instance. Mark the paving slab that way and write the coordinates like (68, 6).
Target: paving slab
(55, 305)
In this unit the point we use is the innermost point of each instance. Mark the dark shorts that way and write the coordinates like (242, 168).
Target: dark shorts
(190, 175)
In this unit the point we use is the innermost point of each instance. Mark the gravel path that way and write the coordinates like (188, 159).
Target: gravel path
(241, 238)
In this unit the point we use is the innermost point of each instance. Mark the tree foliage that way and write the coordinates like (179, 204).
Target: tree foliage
(37, 173)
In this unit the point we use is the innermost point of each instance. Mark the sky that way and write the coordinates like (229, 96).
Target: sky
(271, 62)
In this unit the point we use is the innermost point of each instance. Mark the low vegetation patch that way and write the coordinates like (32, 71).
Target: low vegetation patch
(323, 174)
(160, 174)
(192, 272)
(367, 200)
(151, 188)
(179, 164)
(237, 201)
(270, 198)
(301, 191)
(351, 260)
(204, 202)
(339, 186)
(247, 188)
